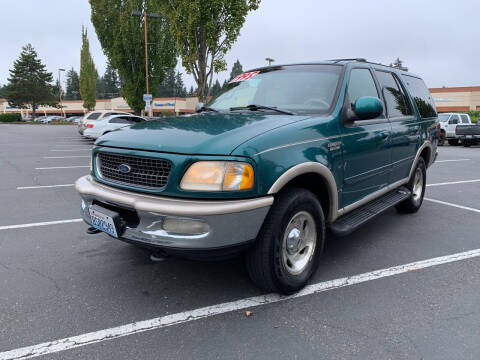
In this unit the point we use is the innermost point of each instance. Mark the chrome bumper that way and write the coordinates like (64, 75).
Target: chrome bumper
(228, 223)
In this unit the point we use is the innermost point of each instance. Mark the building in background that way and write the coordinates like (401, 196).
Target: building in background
(450, 99)
(175, 105)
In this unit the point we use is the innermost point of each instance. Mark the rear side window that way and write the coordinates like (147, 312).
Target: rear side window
(361, 84)
(93, 116)
(120, 120)
(464, 119)
(421, 96)
(454, 119)
(397, 103)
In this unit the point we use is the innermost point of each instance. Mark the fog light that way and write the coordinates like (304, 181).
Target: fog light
(185, 226)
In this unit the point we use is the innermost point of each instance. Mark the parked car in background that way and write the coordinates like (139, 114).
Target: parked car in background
(96, 128)
(282, 154)
(73, 119)
(468, 134)
(39, 119)
(51, 118)
(448, 125)
(97, 115)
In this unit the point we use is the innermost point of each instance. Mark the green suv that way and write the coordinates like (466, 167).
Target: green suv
(282, 154)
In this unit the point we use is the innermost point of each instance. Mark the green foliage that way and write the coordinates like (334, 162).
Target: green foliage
(29, 83)
(2, 91)
(474, 115)
(237, 69)
(10, 117)
(204, 31)
(172, 86)
(108, 86)
(73, 85)
(216, 88)
(88, 74)
(122, 38)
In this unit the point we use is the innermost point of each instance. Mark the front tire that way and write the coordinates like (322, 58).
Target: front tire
(289, 243)
(453, 142)
(417, 186)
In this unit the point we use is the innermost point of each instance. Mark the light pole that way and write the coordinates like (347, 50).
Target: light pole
(60, 90)
(145, 16)
(270, 60)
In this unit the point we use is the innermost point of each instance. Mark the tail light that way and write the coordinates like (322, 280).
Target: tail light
(89, 126)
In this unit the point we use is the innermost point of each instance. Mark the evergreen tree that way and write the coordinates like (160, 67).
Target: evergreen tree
(237, 69)
(73, 85)
(166, 88)
(191, 92)
(180, 90)
(29, 83)
(111, 83)
(216, 88)
(88, 74)
(2, 91)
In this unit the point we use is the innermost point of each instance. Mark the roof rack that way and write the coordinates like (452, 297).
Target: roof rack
(352, 59)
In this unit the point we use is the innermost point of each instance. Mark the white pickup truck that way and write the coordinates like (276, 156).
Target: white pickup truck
(448, 125)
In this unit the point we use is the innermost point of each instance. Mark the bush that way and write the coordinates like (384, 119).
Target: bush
(10, 117)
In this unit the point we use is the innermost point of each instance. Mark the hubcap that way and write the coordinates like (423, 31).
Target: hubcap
(417, 185)
(299, 242)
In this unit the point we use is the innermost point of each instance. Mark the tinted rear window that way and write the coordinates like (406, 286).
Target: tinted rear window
(421, 96)
(93, 116)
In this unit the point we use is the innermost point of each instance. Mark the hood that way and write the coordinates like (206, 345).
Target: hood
(203, 134)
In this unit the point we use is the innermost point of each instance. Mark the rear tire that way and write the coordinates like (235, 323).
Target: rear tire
(466, 143)
(417, 186)
(453, 142)
(289, 244)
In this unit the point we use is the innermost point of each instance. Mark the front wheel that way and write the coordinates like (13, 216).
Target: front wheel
(453, 142)
(289, 244)
(417, 186)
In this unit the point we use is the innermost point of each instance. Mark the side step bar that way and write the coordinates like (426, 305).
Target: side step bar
(353, 220)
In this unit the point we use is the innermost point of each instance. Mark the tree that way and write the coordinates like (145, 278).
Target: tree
(180, 90)
(29, 84)
(72, 91)
(172, 85)
(2, 91)
(398, 64)
(88, 74)
(122, 38)
(205, 30)
(108, 86)
(237, 69)
(216, 88)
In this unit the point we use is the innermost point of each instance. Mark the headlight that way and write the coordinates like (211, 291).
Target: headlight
(218, 176)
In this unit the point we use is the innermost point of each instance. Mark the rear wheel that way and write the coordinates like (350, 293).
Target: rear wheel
(453, 142)
(417, 186)
(466, 143)
(289, 244)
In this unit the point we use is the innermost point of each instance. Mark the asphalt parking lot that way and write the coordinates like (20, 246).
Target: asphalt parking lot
(69, 295)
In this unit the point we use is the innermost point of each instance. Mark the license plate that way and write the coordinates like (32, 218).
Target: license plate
(103, 222)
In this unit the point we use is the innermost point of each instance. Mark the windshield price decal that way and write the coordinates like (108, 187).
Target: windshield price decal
(244, 76)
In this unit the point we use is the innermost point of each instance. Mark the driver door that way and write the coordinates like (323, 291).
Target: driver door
(366, 143)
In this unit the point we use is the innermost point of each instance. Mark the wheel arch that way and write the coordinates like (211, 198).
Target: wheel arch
(315, 177)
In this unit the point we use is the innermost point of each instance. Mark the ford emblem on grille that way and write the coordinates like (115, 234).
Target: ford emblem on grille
(124, 168)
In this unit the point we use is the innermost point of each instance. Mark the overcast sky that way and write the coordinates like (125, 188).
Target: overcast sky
(437, 39)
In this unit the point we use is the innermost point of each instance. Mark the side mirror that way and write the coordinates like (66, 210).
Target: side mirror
(199, 107)
(368, 107)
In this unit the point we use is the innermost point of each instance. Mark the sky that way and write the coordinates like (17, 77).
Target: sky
(437, 39)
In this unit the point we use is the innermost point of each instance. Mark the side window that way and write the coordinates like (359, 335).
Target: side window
(421, 96)
(361, 84)
(395, 98)
(119, 120)
(108, 114)
(464, 119)
(93, 116)
(454, 119)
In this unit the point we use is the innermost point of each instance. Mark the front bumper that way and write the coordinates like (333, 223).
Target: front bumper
(229, 223)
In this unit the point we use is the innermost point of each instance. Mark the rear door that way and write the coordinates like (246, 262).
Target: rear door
(366, 152)
(405, 125)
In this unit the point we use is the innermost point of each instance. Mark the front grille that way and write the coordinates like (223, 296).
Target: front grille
(144, 172)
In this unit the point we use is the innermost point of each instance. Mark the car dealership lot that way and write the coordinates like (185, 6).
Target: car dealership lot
(57, 282)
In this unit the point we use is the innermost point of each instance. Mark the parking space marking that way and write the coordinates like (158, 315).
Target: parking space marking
(71, 149)
(453, 205)
(45, 223)
(62, 167)
(213, 310)
(42, 186)
(455, 182)
(443, 161)
(66, 157)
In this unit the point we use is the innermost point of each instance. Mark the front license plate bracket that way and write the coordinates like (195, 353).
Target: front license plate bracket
(106, 220)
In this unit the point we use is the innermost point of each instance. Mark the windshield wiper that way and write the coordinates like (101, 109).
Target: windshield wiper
(207, 108)
(253, 107)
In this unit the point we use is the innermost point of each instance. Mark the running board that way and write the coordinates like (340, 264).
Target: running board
(348, 223)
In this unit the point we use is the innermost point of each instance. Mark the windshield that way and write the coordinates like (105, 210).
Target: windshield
(299, 88)
(443, 117)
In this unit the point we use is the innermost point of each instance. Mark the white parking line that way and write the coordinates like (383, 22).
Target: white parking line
(66, 157)
(62, 167)
(442, 161)
(453, 205)
(454, 182)
(71, 149)
(42, 186)
(70, 145)
(21, 226)
(205, 312)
